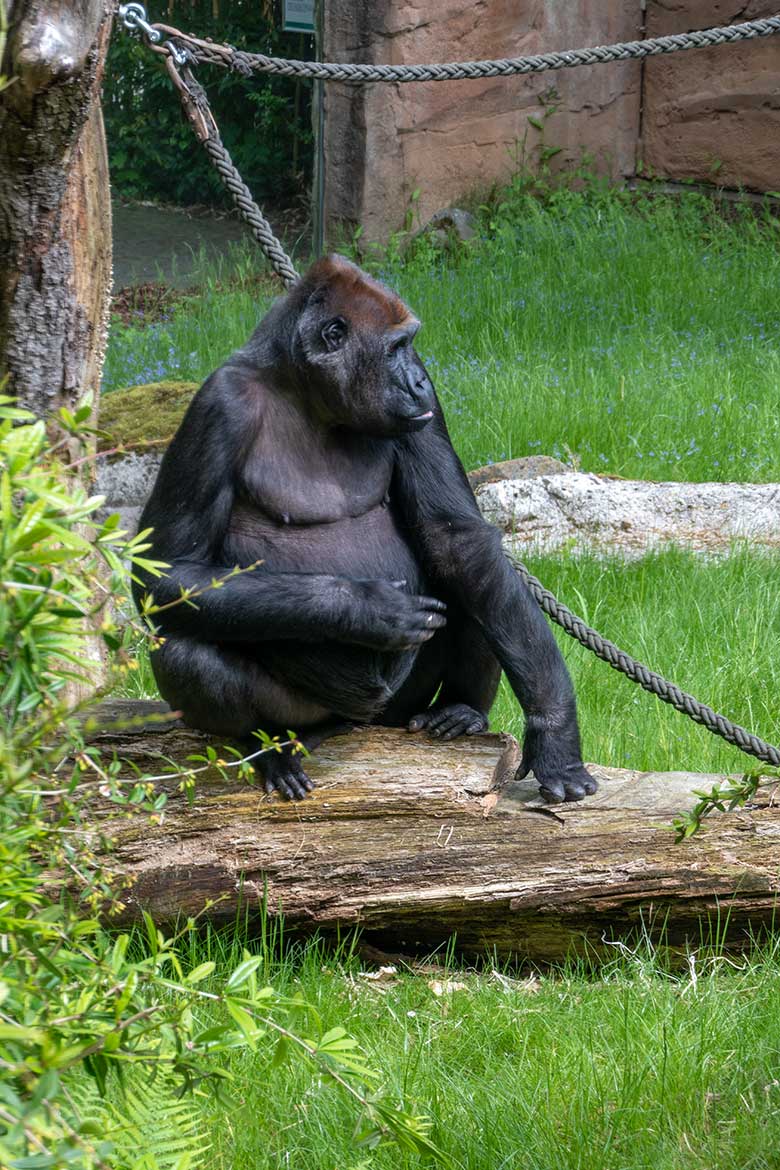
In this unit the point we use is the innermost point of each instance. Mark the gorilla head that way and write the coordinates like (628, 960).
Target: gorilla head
(353, 346)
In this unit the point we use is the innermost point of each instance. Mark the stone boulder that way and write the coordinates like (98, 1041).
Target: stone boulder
(583, 512)
(527, 467)
(448, 229)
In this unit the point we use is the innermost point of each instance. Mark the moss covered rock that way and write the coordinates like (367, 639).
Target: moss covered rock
(143, 417)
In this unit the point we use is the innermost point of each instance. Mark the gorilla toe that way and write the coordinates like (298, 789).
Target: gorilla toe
(575, 784)
(449, 722)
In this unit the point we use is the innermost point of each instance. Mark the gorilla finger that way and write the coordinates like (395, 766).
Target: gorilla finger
(450, 728)
(574, 790)
(308, 783)
(453, 732)
(270, 787)
(431, 603)
(431, 621)
(438, 718)
(477, 726)
(418, 722)
(411, 640)
(590, 785)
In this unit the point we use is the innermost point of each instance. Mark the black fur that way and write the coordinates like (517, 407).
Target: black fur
(320, 450)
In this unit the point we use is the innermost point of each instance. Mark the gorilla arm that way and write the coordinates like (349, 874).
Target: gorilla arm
(462, 555)
(189, 513)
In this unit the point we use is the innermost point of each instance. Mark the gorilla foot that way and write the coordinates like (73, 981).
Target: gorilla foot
(451, 721)
(283, 772)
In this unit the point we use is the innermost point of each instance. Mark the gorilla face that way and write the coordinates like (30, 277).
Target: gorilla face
(353, 345)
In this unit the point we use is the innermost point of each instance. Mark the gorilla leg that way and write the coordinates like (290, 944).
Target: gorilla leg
(459, 665)
(228, 693)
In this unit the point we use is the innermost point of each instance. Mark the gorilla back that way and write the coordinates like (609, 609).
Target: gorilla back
(318, 461)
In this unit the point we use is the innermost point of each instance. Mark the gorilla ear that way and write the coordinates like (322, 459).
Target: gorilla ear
(307, 343)
(334, 334)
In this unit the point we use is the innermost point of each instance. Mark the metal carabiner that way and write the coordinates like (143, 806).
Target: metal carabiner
(180, 56)
(133, 17)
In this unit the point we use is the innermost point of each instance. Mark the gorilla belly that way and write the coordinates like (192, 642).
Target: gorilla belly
(354, 682)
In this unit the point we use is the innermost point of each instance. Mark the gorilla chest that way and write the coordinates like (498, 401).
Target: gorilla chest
(298, 477)
(322, 512)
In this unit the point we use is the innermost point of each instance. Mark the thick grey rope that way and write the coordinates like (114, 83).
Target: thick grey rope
(656, 684)
(248, 63)
(249, 211)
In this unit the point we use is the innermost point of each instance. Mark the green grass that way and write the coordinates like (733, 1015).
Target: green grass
(640, 1069)
(638, 338)
(709, 625)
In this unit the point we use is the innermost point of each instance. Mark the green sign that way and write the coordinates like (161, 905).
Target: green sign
(298, 16)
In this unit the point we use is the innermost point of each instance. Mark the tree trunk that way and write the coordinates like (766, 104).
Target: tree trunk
(55, 217)
(415, 840)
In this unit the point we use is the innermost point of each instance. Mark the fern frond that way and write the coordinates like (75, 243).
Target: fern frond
(150, 1124)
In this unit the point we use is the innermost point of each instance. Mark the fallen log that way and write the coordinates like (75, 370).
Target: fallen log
(414, 841)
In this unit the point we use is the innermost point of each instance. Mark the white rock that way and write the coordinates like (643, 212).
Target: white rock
(591, 512)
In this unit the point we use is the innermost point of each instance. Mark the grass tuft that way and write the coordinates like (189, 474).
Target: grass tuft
(633, 337)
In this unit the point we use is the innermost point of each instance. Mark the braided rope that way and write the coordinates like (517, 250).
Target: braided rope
(248, 63)
(249, 211)
(656, 684)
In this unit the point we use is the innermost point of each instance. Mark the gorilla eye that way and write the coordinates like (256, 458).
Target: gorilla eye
(334, 333)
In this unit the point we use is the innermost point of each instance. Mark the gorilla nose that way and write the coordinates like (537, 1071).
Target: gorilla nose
(421, 390)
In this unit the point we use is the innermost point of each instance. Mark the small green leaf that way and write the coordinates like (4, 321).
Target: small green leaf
(201, 972)
(245, 1022)
(242, 972)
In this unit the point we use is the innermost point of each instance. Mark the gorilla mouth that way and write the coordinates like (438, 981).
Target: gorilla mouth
(416, 422)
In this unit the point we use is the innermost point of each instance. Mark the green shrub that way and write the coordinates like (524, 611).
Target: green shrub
(101, 1045)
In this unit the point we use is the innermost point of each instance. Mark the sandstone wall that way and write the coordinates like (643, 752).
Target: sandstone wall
(711, 115)
(451, 138)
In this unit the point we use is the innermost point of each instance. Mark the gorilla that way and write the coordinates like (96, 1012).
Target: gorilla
(317, 458)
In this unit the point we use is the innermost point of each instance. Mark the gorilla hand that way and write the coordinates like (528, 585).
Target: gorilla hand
(383, 617)
(559, 771)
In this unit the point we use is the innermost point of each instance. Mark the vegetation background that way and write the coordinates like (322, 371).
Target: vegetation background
(266, 126)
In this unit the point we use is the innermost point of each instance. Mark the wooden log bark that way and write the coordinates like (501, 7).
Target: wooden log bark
(415, 840)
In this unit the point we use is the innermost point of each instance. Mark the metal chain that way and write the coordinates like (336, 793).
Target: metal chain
(179, 49)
